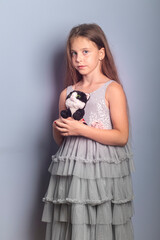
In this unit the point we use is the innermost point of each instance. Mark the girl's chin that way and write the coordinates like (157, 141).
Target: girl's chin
(82, 71)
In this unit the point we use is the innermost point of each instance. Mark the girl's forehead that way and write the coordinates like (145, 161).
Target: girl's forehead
(82, 42)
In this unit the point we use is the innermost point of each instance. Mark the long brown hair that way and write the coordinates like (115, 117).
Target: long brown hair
(94, 33)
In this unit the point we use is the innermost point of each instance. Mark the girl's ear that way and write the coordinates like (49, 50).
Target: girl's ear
(101, 53)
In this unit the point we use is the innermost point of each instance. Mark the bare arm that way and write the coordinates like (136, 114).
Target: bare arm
(56, 133)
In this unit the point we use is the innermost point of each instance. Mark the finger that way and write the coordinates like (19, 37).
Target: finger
(67, 120)
(55, 122)
(64, 120)
(65, 134)
(60, 124)
(62, 130)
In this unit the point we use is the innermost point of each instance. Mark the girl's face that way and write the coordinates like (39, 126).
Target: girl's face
(85, 55)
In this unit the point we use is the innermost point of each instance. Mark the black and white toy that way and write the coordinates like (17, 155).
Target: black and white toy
(75, 104)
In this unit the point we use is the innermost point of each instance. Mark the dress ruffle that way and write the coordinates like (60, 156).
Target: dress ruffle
(90, 192)
(72, 189)
(89, 151)
(68, 231)
(67, 166)
(105, 213)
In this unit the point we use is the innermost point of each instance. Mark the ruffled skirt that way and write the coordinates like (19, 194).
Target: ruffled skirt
(90, 192)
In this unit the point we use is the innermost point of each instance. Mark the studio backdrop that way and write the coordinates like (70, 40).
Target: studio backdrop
(32, 44)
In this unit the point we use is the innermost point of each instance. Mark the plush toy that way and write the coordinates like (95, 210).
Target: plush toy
(75, 103)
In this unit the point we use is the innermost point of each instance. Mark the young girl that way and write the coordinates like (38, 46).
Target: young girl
(90, 193)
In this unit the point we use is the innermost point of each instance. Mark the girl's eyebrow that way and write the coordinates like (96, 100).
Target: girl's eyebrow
(80, 49)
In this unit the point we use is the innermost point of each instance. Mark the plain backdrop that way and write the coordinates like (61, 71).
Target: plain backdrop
(33, 34)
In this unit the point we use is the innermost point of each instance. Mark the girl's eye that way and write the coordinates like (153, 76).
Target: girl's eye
(85, 51)
(73, 53)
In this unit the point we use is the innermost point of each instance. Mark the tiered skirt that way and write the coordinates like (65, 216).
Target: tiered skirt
(90, 192)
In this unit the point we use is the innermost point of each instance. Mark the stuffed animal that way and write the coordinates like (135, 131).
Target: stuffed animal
(75, 103)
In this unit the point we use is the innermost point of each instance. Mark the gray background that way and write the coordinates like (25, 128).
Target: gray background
(33, 35)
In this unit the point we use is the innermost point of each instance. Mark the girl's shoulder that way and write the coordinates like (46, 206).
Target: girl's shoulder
(65, 92)
(114, 87)
(114, 84)
(114, 91)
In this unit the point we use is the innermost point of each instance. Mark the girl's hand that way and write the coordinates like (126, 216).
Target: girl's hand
(69, 126)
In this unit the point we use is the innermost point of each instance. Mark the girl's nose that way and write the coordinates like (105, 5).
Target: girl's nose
(79, 58)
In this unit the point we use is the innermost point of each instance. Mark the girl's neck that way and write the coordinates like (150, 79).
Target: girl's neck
(92, 79)
(90, 83)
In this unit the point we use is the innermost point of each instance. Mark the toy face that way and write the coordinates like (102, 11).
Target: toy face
(79, 95)
(75, 104)
(74, 96)
(75, 101)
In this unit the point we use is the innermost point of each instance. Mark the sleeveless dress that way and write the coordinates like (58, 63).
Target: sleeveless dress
(90, 192)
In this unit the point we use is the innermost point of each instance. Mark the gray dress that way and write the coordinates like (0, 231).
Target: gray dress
(90, 192)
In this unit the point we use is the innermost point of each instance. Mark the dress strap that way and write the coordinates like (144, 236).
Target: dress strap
(101, 91)
(110, 81)
(69, 89)
(107, 84)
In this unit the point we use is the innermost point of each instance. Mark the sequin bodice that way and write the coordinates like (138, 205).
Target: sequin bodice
(97, 114)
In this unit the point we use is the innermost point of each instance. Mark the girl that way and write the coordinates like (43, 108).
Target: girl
(90, 193)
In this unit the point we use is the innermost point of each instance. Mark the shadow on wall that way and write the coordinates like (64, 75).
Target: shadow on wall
(57, 69)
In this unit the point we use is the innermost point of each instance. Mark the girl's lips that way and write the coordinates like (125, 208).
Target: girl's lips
(82, 66)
